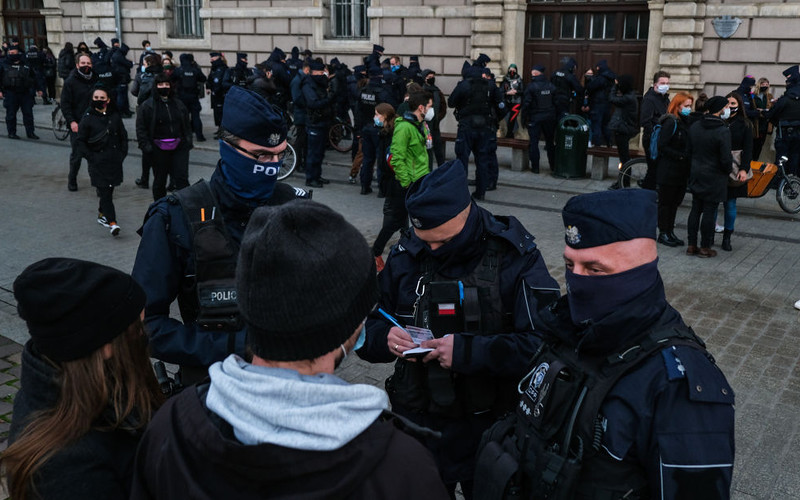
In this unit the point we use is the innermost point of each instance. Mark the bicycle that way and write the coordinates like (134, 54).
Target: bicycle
(341, 136)
(289, 162)
(60, 125)
(787, 189)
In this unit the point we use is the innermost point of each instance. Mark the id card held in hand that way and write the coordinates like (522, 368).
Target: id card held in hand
(418, 335)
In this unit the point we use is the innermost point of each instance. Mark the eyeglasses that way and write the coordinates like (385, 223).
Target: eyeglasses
(262, 157)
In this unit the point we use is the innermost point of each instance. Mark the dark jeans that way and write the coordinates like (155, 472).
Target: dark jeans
(535, 130)
(649, 181)
(301, 147)
(217, 115)
(173, 163)
(317, 139)
(599, 117)
(706, 209)
(74, 158)
(122, 98)
(14, 101)
(621, 140)
(438, 146)
(50, 92)
(106, 206)
(369, 149)
(395, 216)
(669, 199)
(477, 141)
(758, 145)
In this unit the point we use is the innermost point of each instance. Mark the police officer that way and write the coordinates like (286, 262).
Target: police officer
(476, 100)
(319, 114)
(567, 87)
(101, 64)
(294, 64)
(190, 239)
(476, 281)
(35, 60)
(654, 417)
(599, 107)
(300, 117)
(281, 77)
(371, 94)
(75, 100)
(238, 74)
(189, 78)
(17, 81)
(215, 87)
(785, 116)
(121, 67)
(539, 112)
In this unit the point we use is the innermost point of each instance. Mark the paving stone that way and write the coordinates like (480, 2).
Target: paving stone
(9, 349)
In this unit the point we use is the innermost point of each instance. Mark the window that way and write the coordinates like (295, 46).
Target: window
(636, 26)
(349, 18)
(573, 26)
(187, 19)
(540, 26)
(601, 26)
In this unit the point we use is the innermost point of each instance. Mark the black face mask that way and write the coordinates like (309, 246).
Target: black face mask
(86, 70)
(764, 89)
(15, 58)
(163, 91)
(320, 80)
(734, 110)
(99, 105)
(431, 80)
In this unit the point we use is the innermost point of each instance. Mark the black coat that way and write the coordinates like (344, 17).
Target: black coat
(189, 452)
(159, 119)
(98, 465)
(710, 151)
(674, 162)
(626, 113)
(653, 106)
(103, 141)
(741, 139)
(75, 95)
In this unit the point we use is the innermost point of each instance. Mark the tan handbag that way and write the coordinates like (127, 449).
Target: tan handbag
(733, 177)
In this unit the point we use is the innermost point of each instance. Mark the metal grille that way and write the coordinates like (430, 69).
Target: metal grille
(187, 19)
(349, 18)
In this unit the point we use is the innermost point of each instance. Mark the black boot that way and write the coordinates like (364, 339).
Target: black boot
(726, 240)
(676, 239)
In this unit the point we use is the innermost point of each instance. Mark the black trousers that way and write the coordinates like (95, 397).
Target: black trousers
(708, 211)
(74, 158)
(669, 199)
(395, 215)
(174, 163)
(106, 205)
(301, 147)
(147, 164)
(623, 148)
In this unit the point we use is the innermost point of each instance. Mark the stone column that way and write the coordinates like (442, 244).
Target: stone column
(487, 33)
(681, 43)
(513, 34)
(53, 19)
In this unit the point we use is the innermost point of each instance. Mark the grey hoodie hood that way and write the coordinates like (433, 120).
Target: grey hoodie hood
(279, 406)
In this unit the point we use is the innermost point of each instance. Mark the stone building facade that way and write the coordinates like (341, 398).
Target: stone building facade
(679, 35)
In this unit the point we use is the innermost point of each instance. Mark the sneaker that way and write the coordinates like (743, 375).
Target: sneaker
(114, 229)
(379, 265)
(797, 305)
(718, 228)
(351, 179)
(101, 219)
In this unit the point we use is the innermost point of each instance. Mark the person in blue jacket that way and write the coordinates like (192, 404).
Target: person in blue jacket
(660, 427)
(483, 341)
(190, 239)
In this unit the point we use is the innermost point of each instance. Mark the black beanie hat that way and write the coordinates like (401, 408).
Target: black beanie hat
(73, 307)
(715, 104)
(305, 280)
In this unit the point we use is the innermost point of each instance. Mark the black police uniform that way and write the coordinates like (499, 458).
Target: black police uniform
(371, 94)
(568, 88)
(189, 78)
(215, 85)
(165, 267)
(539, 112)
(319, 113)
(17, 83)
(785, 115)
(505, 277)
(476, 101)
(121, 67)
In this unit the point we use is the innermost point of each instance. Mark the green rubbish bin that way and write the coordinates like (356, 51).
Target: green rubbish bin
(572, 139)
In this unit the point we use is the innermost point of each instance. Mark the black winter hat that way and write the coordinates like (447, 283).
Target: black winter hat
(597, 219)
(249, 116)
(73, 307)
(305, 280)
(715, 104)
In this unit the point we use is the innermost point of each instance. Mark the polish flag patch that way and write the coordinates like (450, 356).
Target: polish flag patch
(447, 309)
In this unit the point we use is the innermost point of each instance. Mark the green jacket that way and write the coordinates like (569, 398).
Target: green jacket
(409, 155)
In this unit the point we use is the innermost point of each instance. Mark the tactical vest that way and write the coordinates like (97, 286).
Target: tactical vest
(475, 302)
(549, 447)
(321, 115)
(789, 120)
(18, 77)
(544, 99)
(479, 109)
(209, 297)
(188, 80)
(367, 100)
(563, 92)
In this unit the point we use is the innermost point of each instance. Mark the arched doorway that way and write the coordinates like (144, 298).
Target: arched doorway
(588, 31)
(24, 20)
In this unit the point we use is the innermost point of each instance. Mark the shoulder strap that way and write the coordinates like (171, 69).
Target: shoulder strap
(198, 203)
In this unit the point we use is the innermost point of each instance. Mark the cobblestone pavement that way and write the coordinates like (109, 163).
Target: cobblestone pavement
(740, 302)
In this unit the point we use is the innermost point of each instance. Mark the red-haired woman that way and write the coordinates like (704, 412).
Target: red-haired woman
(673, 165)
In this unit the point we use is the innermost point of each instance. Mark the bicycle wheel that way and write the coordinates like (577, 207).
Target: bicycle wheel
(632, 172)
(60, 126)
(341, 137)
(788, 194)
(289, 162)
